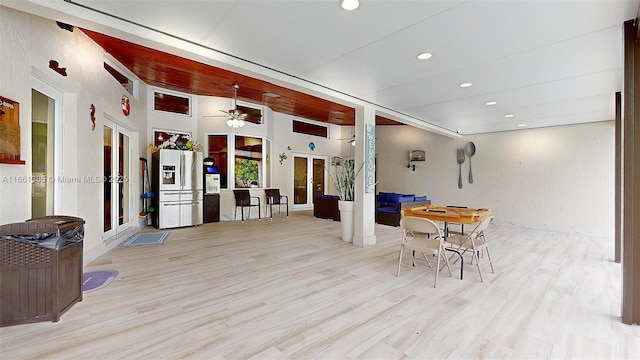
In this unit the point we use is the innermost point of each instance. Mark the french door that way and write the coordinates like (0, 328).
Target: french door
(116, 180)
(308, 179)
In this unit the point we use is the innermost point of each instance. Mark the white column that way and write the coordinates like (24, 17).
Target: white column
(365, 202)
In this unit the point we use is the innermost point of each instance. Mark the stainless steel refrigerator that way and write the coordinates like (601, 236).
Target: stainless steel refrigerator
(177, 181)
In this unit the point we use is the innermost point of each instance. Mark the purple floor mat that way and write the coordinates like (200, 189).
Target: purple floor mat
(98, 279)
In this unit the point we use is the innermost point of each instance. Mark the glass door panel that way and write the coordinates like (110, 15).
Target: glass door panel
(108, 196)
(122, 178)
(300, 180)
(318, 177)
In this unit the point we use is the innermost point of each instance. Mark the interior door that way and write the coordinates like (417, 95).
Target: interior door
(46, 149)
(117, 179)
(308, 179)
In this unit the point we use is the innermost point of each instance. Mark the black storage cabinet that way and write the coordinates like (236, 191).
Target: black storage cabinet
(40, 269)
(211, 208)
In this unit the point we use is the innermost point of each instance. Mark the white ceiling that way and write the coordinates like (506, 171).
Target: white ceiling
(547, 62)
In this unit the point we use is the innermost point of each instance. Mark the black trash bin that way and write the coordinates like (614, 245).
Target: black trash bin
(40, 268)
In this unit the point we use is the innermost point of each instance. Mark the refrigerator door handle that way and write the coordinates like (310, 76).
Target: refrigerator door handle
(182, 170)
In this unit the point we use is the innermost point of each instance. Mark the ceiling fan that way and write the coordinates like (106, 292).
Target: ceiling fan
(235, 117)
(351, 140)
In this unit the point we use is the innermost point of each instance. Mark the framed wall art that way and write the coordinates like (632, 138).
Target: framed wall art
(10, 132)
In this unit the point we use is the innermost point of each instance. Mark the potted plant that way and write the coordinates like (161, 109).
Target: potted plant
(343, 179)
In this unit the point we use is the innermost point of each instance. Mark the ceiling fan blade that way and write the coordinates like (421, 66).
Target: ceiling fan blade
(349, 138)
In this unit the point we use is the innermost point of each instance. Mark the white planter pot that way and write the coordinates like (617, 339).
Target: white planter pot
(346, 219)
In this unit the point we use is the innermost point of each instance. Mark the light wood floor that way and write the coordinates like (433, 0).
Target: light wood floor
(291, 289)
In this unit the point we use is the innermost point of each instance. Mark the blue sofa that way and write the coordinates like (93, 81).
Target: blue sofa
(389, 206)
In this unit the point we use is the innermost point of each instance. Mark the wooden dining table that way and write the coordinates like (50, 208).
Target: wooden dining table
(450, 214)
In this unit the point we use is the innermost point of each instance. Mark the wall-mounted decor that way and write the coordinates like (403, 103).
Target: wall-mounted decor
(53, 65)
(470, 150)
(10, 132)
(282, 157)
(415, 155)
(460, 159)
(92, 115)
(370, 159)
(312, 146)
(126, 106)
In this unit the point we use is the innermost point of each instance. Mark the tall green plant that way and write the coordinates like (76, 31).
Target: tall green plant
(343, 178)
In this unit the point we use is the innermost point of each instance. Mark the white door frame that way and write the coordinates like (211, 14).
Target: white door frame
(310, 158)
(116, 178)
(57, 128)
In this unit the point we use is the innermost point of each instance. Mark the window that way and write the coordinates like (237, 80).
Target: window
(244, 165)
(248, 164)
(310, 129)
(171, 103)
(160, 136)
(126, 83)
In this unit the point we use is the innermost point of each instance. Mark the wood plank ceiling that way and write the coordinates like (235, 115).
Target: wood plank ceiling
(172, 72)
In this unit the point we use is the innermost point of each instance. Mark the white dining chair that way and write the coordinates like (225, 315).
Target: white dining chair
(475, 242)
(422, 235)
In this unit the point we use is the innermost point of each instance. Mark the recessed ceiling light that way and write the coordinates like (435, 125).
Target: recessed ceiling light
(491, 103)
(349, 4)
(522, 125)
(509, 115)
(424, 56)
(465, 85)
(271, 95)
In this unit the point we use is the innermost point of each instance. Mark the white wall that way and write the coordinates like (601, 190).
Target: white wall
(28, 43)
(559, 178)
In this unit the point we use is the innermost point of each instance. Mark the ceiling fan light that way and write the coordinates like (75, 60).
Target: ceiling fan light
(235, 123)
(350, 4)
